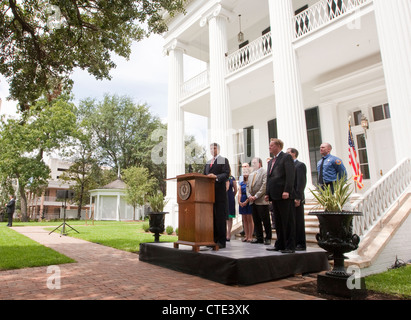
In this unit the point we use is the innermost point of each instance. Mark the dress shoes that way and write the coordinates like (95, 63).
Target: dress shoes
(273, 249)
(287, 251)
(300, 248)
(267, 242)
(220, 246)
(256, 241)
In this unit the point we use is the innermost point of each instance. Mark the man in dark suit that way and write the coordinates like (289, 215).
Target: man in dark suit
(219, 169)
(280, 190)
(10, 210)
(300, 183)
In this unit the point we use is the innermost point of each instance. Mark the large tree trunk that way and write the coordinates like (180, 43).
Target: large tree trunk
(23, 204)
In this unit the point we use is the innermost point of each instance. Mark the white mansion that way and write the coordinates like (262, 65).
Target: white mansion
(301, 70)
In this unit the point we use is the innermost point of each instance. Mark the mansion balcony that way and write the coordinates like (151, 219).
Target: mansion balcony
(345, 28)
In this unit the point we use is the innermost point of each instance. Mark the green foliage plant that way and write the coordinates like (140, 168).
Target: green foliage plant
(333, 202)
(146, 226)
(169, 230)
(157, 202)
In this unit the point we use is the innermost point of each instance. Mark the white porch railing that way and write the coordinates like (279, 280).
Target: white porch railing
(252, 52)
(376, 202)
(195, 85)
(322, 13)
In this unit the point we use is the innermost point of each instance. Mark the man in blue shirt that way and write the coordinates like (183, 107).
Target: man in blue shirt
(330, 168)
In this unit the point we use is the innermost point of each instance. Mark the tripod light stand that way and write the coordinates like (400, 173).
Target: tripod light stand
(64, 224)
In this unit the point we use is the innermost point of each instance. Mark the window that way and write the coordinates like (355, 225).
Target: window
(249, 144)
(357, 118)
(272, 131)
(239, 156)
(363, 156)
(245, 150)
(381, 112)
(314, 139)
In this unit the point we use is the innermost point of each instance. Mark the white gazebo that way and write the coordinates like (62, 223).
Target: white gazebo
(109, 203)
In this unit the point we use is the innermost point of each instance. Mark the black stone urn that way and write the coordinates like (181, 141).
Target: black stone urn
(336, 237)
(156, 224)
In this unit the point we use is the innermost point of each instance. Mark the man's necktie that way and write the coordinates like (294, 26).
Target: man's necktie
(321, 176)
(272, 164)
(212, 163)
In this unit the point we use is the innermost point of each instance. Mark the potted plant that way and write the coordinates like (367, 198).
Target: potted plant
(336, 234)
(157, 214)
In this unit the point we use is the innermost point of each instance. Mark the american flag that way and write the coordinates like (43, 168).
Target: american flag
(355, 164)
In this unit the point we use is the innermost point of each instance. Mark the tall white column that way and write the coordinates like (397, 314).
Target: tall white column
(292, 128)
(220, 110)
(330, 132)
(175, 131)
(393, 24)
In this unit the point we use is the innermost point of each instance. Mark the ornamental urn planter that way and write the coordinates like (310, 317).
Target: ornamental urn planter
(336, 236)
(157, 216)
(156, 224)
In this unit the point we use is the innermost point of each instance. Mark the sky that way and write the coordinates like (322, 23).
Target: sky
(144, 78)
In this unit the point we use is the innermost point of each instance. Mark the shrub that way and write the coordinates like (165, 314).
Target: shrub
(146, 226)
(169, 230)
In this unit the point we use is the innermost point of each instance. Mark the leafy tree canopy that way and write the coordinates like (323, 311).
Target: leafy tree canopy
(24, 140)
(122, 130)
(42, 41)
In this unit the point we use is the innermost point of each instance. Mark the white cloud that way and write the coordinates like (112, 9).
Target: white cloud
(7, 107)
(143, 77)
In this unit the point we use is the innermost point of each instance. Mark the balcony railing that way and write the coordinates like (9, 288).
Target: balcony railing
(323, 13)
(251, 53)
(195, 85)
(381, 197)
(318, 15)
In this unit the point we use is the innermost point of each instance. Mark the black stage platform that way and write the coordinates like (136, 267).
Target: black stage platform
(238, 264)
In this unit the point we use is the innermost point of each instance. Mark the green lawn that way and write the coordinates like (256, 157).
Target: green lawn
(125, 236)
(18, 251)
(397, 282)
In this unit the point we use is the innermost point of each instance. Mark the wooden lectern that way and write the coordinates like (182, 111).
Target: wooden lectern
(195, 198)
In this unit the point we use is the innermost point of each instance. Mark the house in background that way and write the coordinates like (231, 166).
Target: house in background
(302, 71)
(48, 206)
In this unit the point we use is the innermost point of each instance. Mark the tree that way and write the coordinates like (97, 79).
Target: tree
(24, 140)
(122, 132)
(196, 155)
(84, 171)
(43, 41)
(139, 185)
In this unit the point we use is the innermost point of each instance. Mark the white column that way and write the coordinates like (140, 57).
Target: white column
(220, 110)
(175, 131)
(292, 128)
(98, 208)
(118, 208)
(393, 18)
(331, 131)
